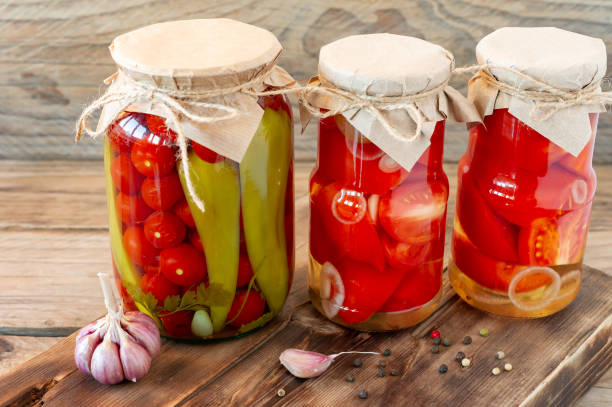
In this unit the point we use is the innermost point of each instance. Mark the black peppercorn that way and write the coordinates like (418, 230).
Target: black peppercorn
(437, 341)
(350, 378)
(363, 394)
(460, 356)
(447, 342)
(357, 363)
(387, 352)
(467, 340)
(443, 369)
(381, 372)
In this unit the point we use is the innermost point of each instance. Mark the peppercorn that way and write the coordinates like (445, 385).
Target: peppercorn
(447, 342)
(495, 371)
(281, 393)
(435, 334)
(484, 332)
(443, 368)
(350, 378)
(467, 340)
(500, 355)
(394, 372)
(381, 372)
(435, 349)
(460, 356)
(357, 362)
(465, 362)
(437, 341)
(387, 352)
(507, 367)
(363, 394)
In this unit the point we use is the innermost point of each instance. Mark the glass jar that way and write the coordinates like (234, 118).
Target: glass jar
(193, 270)
(521, 222)
(376, 230)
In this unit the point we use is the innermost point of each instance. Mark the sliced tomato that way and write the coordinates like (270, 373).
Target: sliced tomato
(365, 289)
(138, 249)
(184, 265)
(181, 209)
(159, 286)
(539, 243)
(132, 209)
(414, 212)
(488, 231)
(488, 272)
(348, 224)
(402, 255)
(248, 305)
(206, 153)
(194, 239)
(418, 286)
(164, 229)
(125, 176)
(245, 271)
(153, 160)
(162, 193)
(177, 324)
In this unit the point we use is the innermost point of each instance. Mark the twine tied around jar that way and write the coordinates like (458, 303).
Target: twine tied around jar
(548, 99)
(175, 103)
(374, 104)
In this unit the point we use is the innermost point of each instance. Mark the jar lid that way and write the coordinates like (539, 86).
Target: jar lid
(557, 57)
(384, 64)
(196, 53)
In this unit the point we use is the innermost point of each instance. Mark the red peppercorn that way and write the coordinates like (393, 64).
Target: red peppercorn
(435, 334)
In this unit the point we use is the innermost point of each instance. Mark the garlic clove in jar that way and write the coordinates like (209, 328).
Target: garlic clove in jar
(106, 363)
(135, 359)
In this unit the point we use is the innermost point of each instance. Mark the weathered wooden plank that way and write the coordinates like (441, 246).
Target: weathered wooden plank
(53, 55)
(14, 350)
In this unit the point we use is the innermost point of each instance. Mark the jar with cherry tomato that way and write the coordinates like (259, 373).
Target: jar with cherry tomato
(214, 258)
(523, 201)
(377, 225)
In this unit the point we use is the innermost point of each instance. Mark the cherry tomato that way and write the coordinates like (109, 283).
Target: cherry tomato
(414, 212)
(488, 272)
(253, 308)
(139, 250)
(365, 289)
(348, 224)
(177, 324)
(159, 286)
(402, 255)
(490, 232)
(245, 271)
(194, 239)
(418, 287)
(184, 265)
(153, 160)
(206, 154)
(125, 131)
(162, 193)
(157, 126)
(539, 243)
(132, 209)
(164, 229)
(125, 176)
(181, 209)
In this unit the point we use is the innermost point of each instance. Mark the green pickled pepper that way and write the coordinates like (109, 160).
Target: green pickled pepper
(264, 171)
(218, 186)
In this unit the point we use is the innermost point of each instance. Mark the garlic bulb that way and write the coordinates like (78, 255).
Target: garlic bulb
(119, 346)
(305, 364)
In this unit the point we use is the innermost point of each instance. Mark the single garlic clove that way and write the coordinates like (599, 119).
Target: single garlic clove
(135, 359)
(106, 364)
(91, 328)
(201, 325)
(305, 364)
(145, 336)
(85, 345)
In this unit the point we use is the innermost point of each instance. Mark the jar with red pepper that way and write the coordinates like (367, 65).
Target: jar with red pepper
(526, 182)
(200, 176)
(378, 197)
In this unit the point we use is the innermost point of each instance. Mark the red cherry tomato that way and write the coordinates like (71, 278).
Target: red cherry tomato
(125, 176)
(253, 308)
(348, 224)
(365, 289)
(153, 160)
(164, 229)
(125, 131)
(539, 243)
(139, 250)
(157, 126)
(245, 271)
(490, 232)
(414, 212)
(206, 154)
(159, 286)
(194, 239)
(418, 287)
(132, 209)
(177, 324)
(182, 210)
(402, 255)
(162, 193)
(184, 265)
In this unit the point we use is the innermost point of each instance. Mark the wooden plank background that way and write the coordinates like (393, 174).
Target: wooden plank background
(53, 53)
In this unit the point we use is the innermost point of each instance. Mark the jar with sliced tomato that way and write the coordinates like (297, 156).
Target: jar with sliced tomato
(377, 224)
(523, 200)
(201, 241)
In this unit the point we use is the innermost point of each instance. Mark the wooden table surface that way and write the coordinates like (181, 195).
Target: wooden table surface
(54, 240)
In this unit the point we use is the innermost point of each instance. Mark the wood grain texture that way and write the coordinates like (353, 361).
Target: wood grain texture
(54, 56)
(47, 258)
